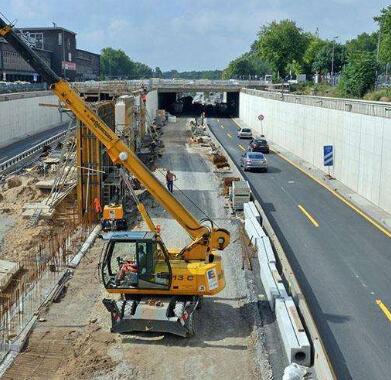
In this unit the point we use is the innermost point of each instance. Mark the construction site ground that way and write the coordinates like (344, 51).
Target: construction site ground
(73, 340)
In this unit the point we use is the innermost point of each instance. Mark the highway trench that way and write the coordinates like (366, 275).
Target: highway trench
(342, 262)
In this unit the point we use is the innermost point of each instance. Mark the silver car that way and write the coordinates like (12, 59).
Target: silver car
(253, 161)
(245, 133)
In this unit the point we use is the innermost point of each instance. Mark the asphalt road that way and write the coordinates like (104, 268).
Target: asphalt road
(342, 262)
(18, 147)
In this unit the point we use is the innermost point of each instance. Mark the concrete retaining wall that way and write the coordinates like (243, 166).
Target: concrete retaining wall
(152, 104)
(23, 117)
(362, 143)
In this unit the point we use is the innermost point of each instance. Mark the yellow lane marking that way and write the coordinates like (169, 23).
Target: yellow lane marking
(308, 215)
(384, 309)
(229, 135)
(222, 126)
(340, 197)
(237, 125)
(241, 147)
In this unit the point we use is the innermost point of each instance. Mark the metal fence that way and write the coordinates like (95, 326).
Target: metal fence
(380, 109)
(39, 275)
(8, 87)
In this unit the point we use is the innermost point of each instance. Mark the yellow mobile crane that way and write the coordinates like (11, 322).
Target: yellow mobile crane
(159, 289)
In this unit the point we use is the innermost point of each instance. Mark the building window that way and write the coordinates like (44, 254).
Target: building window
(60, 38)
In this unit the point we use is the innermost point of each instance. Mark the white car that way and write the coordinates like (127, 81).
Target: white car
(245, 133)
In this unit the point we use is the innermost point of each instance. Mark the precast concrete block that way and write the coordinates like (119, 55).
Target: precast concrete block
(267, 247)
(294, 337)
(269, 284)
(278, 280)
(250, 211)
(253, 229)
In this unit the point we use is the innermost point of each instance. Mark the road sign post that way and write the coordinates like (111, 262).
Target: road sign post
(260, 118)
(328, 156)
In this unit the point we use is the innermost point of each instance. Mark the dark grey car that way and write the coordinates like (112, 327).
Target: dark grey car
(253, 161)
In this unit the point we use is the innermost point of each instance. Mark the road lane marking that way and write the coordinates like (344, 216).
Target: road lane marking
(308, 215)
(384, 309)
(222, 126)
(229, 135)
(340, 197)
(237, 124)
(241, 147)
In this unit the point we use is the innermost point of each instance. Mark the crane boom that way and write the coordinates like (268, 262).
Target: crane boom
(204, 239)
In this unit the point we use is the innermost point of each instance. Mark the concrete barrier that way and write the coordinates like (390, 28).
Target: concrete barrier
(253, 230)
(294, 337)
(265, 248)
(250, 211)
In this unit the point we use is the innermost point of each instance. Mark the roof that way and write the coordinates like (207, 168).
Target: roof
(129, 235)
(38, 29)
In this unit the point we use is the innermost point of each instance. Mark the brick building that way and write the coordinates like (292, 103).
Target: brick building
(58, 47)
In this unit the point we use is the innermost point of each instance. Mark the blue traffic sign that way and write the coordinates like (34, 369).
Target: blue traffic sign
(328, 155)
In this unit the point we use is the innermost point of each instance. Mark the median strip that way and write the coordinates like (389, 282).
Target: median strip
(384, 309)
(308, 215)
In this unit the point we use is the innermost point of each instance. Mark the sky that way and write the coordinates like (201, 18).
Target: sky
(189, 34)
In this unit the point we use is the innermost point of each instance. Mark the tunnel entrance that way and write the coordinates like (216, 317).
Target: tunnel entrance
(214, 104)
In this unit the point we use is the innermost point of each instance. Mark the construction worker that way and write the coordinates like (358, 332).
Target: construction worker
(170, 180)
(97, 206)
(128, 266)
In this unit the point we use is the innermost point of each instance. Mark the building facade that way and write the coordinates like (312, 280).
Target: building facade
(58, 48)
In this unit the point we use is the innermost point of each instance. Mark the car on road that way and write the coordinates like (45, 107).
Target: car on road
(259, 145)
(245, 133)
(254, 161)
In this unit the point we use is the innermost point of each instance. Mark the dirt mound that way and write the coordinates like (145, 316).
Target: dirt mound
(13, 182)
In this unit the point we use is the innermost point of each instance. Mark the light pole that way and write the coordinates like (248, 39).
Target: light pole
(332, 62)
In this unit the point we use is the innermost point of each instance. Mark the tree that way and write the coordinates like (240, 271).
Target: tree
(281, 43)
(384, 21)
(363, 42)
(248, 64)
(293, 68)
(158, 73)
(323, 59)
(359, 74)
(117, 64)
(315, 45)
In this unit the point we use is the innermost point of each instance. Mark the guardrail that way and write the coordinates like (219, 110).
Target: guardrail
(16, 161)
(364, 107)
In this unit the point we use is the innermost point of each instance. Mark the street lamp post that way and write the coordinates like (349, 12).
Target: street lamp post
(332, 62)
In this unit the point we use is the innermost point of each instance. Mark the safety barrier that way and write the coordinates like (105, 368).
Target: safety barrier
(294, 337)
(14, 162)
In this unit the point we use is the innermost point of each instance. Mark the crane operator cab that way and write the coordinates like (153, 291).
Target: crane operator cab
(135, 260)
(136, 266)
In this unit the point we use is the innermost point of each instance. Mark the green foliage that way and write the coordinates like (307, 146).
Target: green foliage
(323, 59)
(116, 64)
(313, 47)
(249, 64)
(206, 74)
(359, 75)
(383, 95)
(157, 73)
(384, 21)
(363, 42)
(294, 68)
(281, 43)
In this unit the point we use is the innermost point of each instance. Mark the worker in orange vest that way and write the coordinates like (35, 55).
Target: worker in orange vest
(97, 206)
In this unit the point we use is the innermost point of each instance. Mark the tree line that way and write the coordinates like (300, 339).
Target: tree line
(116, 64)
(284, 50)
